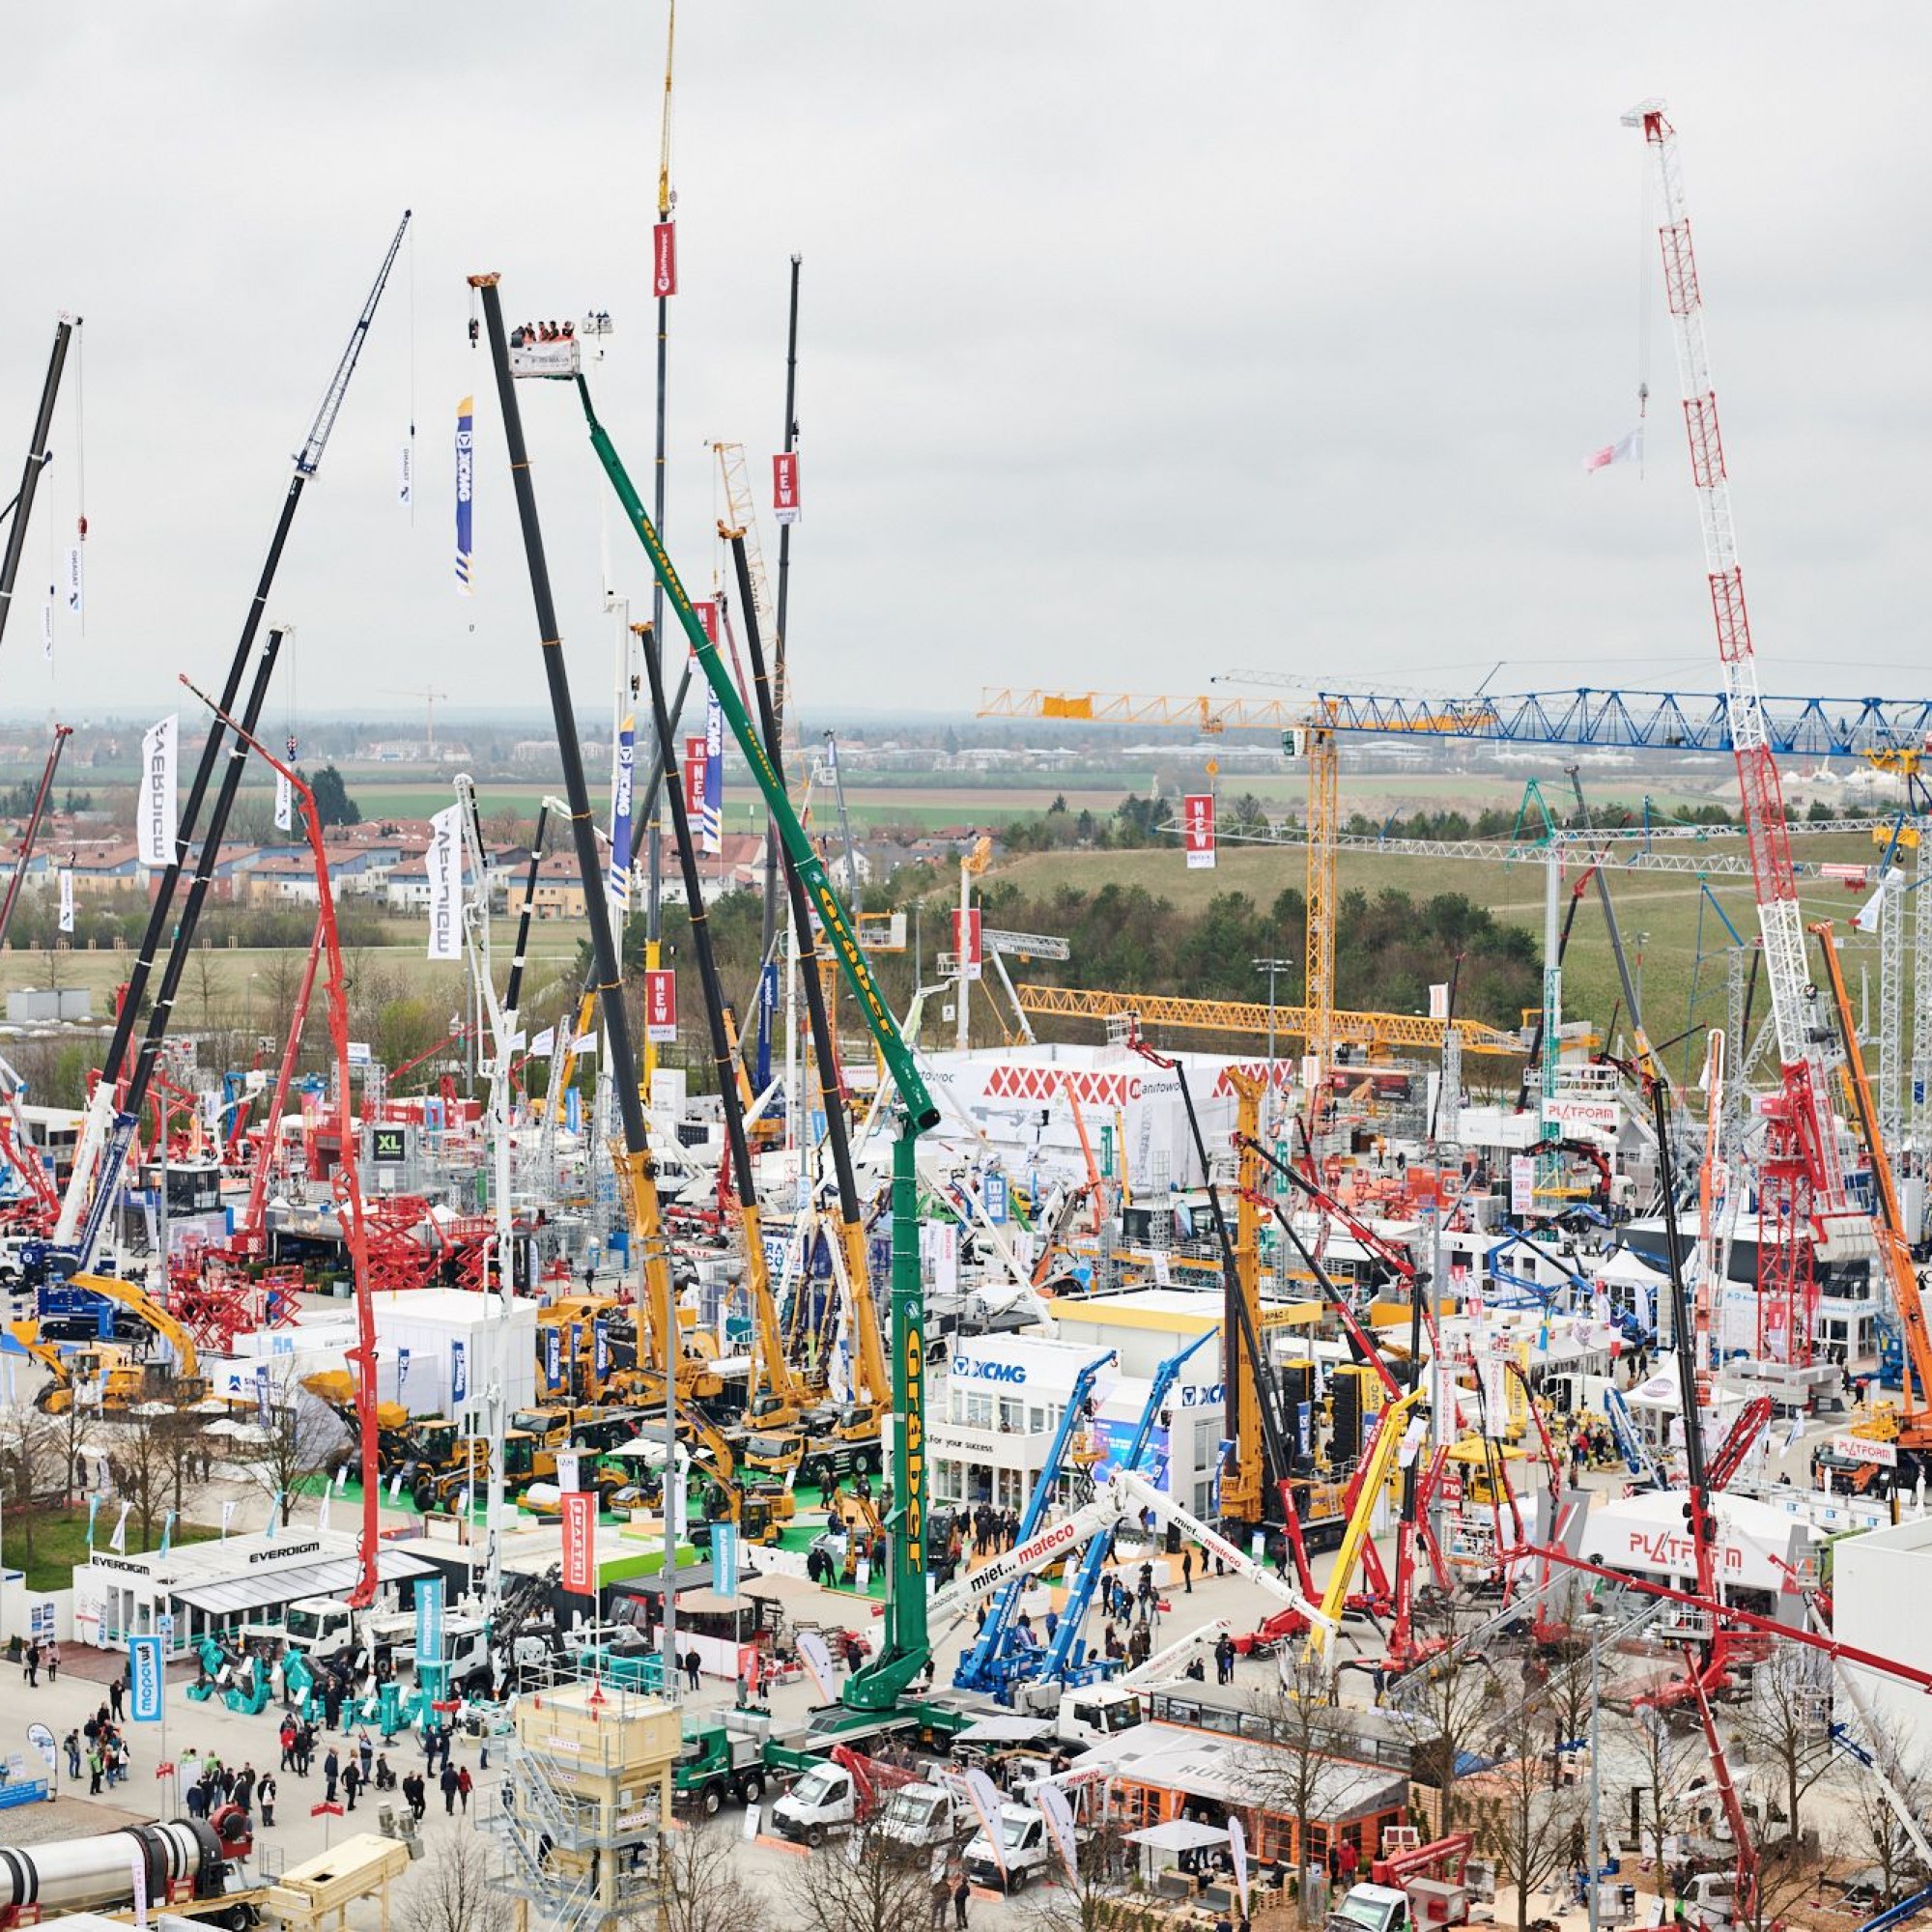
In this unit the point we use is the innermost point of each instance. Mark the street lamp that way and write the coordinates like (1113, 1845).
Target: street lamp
(1271, 967)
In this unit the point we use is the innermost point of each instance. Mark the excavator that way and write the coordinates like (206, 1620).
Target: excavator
(124, 1379)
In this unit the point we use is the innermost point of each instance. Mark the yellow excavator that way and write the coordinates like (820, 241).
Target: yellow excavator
(125, 1380)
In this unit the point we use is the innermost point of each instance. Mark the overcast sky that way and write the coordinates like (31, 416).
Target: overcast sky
(1139, 342)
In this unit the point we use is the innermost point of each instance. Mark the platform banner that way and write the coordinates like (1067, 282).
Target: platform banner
(664, 259)
(443, 863)
(65, 899)
(285, 803)
(620, 818)
(707, 615)
(579, 1534)
(784, 486)
(465, 480)
(711, 819)
(985, 1796)
(429, 1621)
(1197, 831)
(459, 1373)
(144, 1679)
(155, 813)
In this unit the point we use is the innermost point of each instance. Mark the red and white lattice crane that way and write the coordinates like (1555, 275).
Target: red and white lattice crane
(1805, 1215)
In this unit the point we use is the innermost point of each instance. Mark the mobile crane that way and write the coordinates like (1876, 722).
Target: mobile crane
(905, 1656)
(38, 456)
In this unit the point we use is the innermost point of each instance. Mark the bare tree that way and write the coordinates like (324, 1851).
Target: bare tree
(1442, 1707)
(450, 1889)
(303, 1441)
(153, 1459)
(1297, 1772)
(1667, 1760)
(1102, 1898)
(32, 1467)
(700, 1888)
(1875, 1831)
(1521, 1821)
(1785, 1724)
(867, 1884)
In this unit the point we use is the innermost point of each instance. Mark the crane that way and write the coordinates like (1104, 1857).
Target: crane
(38, 456)
(431, 698)
(1805, 1216)
(44, 791)
(103, 1109)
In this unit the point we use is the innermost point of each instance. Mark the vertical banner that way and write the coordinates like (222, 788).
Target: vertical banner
(144, 1679)
(600, 1348)
(553, 1357)
(459, 1373)
(664, 259)
(444, 861)
(784, 486)
(75, 602)
(1438, 999)
(285, 803)
(707, 615)
(660, 1007)
(406, 481)
(569, 1470)
(725, 1559)
(227, 1517)
(985, 1796)
(65, 899)
(465, 484)
(711, 819)
(817, 1658)
(967, 930)
(1059, 1816)
(693, 778)
(620, 818)
(155, 813)
(1237, 1852)
(118, 1541)
(429, 1621)
(401, 1371)
(1522, 1183)
(580, 1535)
(48, 626)
(1197, 831)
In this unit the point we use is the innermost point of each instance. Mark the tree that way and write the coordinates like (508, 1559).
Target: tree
(1875, 1834)
(1785, 1724)
(1666, 1759)
(1299, 1771)
(304, 1439)
(868, 1882)
(700, 1888)
(1102, 1897)
(32, 1467)
(1521, 1822)
(1443, 1707)
(451, 1891)
(153, 1459)
(332, 803)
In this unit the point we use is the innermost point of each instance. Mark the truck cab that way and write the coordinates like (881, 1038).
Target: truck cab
(1025, 1851)
(1099, 1711)
(824, 1800)
(925, 1815)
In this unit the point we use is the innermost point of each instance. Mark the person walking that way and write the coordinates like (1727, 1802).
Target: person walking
(30, 1666)
(265, 1793)
(692, 1664)
(942, 1898)
(351, 1783)
(1187, 1571)
(962, 1893)
(449, 1787)
(365, 1749)
(465, 1785)
(53, 1660)
(331, 1775)
(116, 1691)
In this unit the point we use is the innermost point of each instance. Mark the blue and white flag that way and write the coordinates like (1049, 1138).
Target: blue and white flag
(93, 1510)
(620, 818)
(459, 1373)
(401, 1371)
(144, 1679)
(466, 479)
(167, 1534)
(711, 820)
(429, 1621)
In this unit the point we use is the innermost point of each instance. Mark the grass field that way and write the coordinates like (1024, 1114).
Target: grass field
(60, 1543)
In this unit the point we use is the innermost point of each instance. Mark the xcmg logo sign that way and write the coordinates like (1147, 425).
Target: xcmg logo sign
(1209, 1396)
(989, 1371)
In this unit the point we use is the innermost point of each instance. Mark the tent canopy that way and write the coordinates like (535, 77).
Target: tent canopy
(1178, 1835)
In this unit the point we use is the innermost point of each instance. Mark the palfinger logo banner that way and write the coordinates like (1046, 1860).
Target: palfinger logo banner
(154, 816)
(466, 479)
(444, 861)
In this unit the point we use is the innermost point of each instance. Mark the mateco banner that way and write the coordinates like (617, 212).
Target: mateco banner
(444, 861)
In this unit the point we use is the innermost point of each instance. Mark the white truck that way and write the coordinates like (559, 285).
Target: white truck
(1026, 1851)
(326, 1626)
(925, 1815)
(824, 1802)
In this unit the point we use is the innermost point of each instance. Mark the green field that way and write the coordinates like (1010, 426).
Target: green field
(60, 1543)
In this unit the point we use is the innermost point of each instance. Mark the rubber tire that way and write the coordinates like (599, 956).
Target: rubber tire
(423, 1495)
(1016, 1884)
(868, 1460)
(753, 1790)
(712, 1800)
(815, 1836)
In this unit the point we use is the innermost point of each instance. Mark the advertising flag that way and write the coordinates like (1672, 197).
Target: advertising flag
(144, 1679)
(725, 1559)
(167, 1534)
(580, 1533)
(664, 259)
(285, 803)
(620, 818)
(985, 1796)
(118, 1541)
(227, 1514)
(48, 626)
(569, 1470)
(93, 1510)
(660, 1007)
(155, 813)
(1059, 1816)
(707, 615)
(465, 481)
(693, 778)
(1197, 831)
(401, 1371)
(1628, 449)
(429, 1621)
(74, 600)
(553, 1357)
(817, 1658)
(444, 861)
(459, 1373)
(711, 820)
(65, 899)
(967, 928)
(784, 486)
(1237, 1852)
(406, 482)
